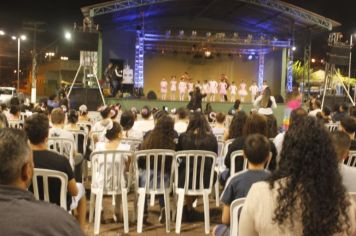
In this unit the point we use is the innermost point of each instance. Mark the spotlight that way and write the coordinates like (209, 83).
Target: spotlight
(249, 57)
(294, 48)
(13, 37)
(313, 60)
(194, 33)
(68, 35)
(23, 37)
(322, 61)
(181, 33)
(168, 33)
(207, 53)
(2, 32)
(208, 34)
(236, 35)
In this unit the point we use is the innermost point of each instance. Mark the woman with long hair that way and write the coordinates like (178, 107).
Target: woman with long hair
(236, 125)
(265, 102)
(305, 195)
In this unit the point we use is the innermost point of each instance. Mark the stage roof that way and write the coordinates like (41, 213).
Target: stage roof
(270, 17)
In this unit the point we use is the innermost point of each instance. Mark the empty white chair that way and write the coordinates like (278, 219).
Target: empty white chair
(332, 126)
(15, 124)
(156, 179)
(133, 142)
(46, 174)
(63, 146)
(194, 166)
(351, 161)
(94, 116)
(108, 171)
(233, 157)
(235, 210)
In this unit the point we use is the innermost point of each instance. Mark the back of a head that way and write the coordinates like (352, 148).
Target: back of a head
(255, 124)
(104, 112)
(162, 136)
(14, 154)
(127, 120)
(342, 143)
(220, 118)
(145, 112)
(159, 114)
(317, 104)
(113, 132)
(198, 124)
(83, 110)
(308, 169)
(327, 111)
(237, 104)
(182, 113)
(256, 149)
(297, 116)
(349, 124)
(14, 109)
(72, 116)
(237, 125)
(344, 107)
(14, 101)
(57, 116)
(37, 127)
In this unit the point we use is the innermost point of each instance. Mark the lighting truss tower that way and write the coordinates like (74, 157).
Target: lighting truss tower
(261, 67)
(139, 59)
(290, 70)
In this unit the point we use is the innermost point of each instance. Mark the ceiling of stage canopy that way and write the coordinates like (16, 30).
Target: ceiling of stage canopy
(271, 17)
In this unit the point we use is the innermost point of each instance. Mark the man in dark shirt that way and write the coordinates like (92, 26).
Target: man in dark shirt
(348, 124)
(20, 212)
(37, 128)
(257, 151)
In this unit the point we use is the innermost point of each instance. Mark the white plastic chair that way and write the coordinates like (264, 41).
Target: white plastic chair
(94, 116)
(64, 147)
(195, 160)
(155, 177)
(46, 174)
(226, 146)
(235, 209)
(332, 126)
(219, 167)
(351, 161)
(133, 142)
(15, 124)
(96, 136)
(108, 171)
(85, 125)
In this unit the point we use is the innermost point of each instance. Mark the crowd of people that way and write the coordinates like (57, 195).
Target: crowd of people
(296, 182)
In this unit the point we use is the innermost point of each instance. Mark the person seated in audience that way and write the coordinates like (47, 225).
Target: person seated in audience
(57, 131)
(208, 111)
(161, 137)
(197, 137)
(117, 112)
(305, 195)
(255, 124)
(146, 123)
(105, 113)
(219, 129)
(316, 107)
(342, 142)
(37, 130)
(341, 112)
(21, 213)
(348, 125)
(127, 121)
(83, 114)
(295, 118)
(14, 113)
(326, 114)
(52, 102)
(235, 108)
(272, 129)
(72, 120)
(257, 152)
(181, 123)
(237, 123)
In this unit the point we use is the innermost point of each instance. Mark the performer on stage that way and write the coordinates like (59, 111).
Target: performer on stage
(242, 91)
(206, 90)
(173, 84)
(164, 85)
(222, 90)
(114, 77)
(195, 102)
(198, 84)
(213, 85)
(254, 90)
(182, 87)
(233, 90)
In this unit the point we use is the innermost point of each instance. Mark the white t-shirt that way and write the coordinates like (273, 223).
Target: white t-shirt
(314, 112)
(143, 126)
(348, 174)
(233, 89)
(180, 126)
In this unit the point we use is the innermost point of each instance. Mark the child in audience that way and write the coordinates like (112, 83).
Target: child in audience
(219, 129)
(181, 123)
(257, 152)
(146, 123)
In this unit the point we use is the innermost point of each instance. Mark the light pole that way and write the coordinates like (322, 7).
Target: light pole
(19, 38)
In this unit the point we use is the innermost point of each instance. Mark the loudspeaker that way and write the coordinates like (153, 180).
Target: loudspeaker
(151, 95)
(339, 55)
(89, 96)
(86, 41)
(332, 100)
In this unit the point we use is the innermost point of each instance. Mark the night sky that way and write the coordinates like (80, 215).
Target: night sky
(60, 15)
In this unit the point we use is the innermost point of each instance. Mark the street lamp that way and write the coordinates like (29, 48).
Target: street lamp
(19, 38)
(2, 32)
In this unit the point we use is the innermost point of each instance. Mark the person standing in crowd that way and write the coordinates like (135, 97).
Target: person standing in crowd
(21, 213)
(265, 102)
(254, 90)
(233, 91)
(348, 125)
(182, 87)
(164, 88)
(173, 87)
(294, 101)
(305, 195)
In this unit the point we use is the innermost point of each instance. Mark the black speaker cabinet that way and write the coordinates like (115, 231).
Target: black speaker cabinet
(332, 100)
(88, 96)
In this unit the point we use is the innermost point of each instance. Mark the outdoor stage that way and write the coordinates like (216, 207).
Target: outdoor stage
(217, 106)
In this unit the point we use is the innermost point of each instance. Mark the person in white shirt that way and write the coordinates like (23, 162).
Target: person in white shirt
(206, 90)
(219, 129)
(181, 123)
(342, 144)
(316, 106)
(265, 102)
(254, 90)
(182, 87)
(242, 91)
(264, 85)
(233, 90)
(127, 122)
(164, 88)
(101, 126)
(173, 87)
(213, 85)
(146, 123)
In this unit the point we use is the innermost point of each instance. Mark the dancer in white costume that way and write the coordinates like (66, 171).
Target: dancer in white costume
(198, 85)
(254, 90)
(206, 90)
(213, 85)
(242, 91)
(182, 87)
(164, 88)
(173, 84)
(233, 90)
(222, 90)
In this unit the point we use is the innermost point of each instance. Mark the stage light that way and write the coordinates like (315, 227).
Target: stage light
(322, 61)
(194, 33)
(208, 34)
(68, 35)
(181, 33)
(13, 37)
(2, 32)
(294, 48)
(250, 57)
(313, 60)
(168, 33)
(207, 53)
(64, 58)
(23, 37)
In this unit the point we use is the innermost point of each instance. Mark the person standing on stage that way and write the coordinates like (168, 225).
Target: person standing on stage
(173, 84)
(164, 85)
(182, 87)
(242, 91)
(233, 90)
(112, 75)
(254, 90)
(213, 85)
(206, 90)
(196, 98)
(222, 90)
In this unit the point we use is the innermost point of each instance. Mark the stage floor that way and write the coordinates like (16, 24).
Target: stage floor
(217, 106)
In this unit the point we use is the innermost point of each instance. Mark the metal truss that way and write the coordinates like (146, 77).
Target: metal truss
(290, 70)
(306, 66)
(261, 68)
(139, 59)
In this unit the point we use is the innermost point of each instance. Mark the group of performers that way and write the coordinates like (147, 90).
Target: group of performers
(212, 88)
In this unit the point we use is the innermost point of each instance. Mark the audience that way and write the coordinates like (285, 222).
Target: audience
(72, 120)
(341, 113)
(315, 107)
(14, 113)
(219, 126)
(265, 102)
(236, 126)
(146, 123)
(257, 152)
(181, 123)
(83, 114)
(37, 129)
(348, 125)
(305, 195)
(21, 213)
